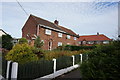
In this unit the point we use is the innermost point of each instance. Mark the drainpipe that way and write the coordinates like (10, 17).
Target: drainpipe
(38, 26)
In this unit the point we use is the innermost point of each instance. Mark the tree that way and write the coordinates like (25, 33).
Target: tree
(7, 42)
(23, 40)
(21, 53)
(38, 43)
(103, 62)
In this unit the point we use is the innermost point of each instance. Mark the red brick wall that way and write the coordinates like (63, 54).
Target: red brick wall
(29, 27)
(55, 38)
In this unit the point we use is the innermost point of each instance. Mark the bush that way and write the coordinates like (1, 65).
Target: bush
(103, 62)
(23, 40)
(38, 43)
(49, 55)
(21, 53)
(7, 42)
(75, 48)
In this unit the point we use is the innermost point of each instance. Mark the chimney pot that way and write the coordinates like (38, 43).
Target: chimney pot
(97, 33)
(56, 22)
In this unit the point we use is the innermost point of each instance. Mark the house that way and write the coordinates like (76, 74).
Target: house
(2, 32)
(89, 40)
(51, 33)
(14, 41)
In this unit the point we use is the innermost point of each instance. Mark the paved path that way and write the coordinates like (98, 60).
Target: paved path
(73, 75)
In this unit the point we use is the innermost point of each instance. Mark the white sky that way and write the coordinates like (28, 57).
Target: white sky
(84, 18)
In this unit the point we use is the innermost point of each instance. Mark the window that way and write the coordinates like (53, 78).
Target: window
(79, 42)
(75, 38)
(59, 34)
(68, 43)
(48, 32)
(42, 41)
(59, 43)
(68, 36)
(105, 42)
(84, 42)
(90, 42)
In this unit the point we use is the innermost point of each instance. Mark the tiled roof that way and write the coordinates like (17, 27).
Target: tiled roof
(99, 37)
(52, 25)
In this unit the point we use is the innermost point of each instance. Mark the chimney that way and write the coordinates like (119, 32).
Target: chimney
(98, 33)
(56, 22)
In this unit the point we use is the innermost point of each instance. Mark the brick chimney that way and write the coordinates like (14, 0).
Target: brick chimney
(56, 22)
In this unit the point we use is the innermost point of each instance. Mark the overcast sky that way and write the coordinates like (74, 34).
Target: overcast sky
(84, 18)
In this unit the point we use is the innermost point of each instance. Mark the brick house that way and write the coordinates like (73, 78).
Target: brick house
(52, 34)
(89, 40)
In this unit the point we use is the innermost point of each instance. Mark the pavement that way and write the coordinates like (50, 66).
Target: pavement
(73, 75)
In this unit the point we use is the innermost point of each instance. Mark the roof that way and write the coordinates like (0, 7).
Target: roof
(99, 37)
(2, 32)
(53, 25)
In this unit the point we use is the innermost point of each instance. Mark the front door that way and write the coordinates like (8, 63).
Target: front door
(50, 45)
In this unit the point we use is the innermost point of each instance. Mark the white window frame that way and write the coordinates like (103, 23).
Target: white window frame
(59, 34)
(90, 42)
(105, 42)
(68, 36)
(59, 43)
(75, 38)
(42, 41)
(48, 32)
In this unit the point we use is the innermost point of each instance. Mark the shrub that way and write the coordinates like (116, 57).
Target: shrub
(39, 52)
(21, 53)
(38, 43)
(75, 48)
(55, 54)
(103, 62)
(23, 40)
(7, 42)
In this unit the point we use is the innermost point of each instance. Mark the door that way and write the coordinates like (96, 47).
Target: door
(50, 45)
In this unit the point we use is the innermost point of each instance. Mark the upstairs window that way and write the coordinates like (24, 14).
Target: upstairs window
(68, 36)
(48, 32)
(59, 34)
(75, 38)
(59, 43)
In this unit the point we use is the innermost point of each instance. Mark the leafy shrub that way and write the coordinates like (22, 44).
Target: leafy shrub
(21, 53)
(55, 54)
(103, 62)
(7, 42)
(74, 48)
(38, 43)
(39, 52)
(23, 40)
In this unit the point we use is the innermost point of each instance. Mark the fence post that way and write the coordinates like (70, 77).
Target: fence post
(73, 59)
(54, 67)
(81, 58)
(14, 70)
(8, 66)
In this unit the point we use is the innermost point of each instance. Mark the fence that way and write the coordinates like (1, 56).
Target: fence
(36, 69)
(4, 66)
(63, 62)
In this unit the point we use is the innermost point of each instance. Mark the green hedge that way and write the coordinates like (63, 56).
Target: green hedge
(75, 48)
(36, 69)
(103, 63)
(63, 62)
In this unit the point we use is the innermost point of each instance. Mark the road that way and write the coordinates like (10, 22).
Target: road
(73, 75)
